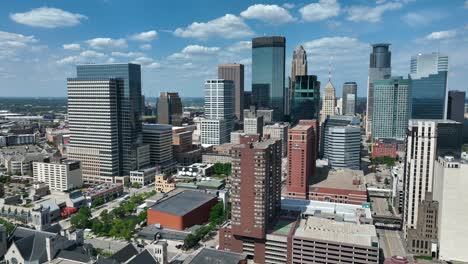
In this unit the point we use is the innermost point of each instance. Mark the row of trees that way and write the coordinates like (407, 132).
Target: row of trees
(119, 223)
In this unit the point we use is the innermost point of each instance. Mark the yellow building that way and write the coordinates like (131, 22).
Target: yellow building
(163, 184)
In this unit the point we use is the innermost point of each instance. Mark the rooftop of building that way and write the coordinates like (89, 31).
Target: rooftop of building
(157, 127)
(335, 231)
(444, 121)
(207, 255)
(183, 202)
(338, 179)
(284, 226)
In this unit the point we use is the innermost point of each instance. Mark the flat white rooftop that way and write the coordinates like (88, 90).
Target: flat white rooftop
(334, 231)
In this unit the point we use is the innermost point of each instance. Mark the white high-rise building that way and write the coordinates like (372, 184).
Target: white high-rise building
(63, 176)
(426, 140)
(422, 65)
(450, 182)
(94, 126)
(329, 101)
(219, 112)
(253, 125)
(278, 131)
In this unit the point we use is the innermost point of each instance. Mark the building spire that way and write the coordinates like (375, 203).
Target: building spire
(330, 69)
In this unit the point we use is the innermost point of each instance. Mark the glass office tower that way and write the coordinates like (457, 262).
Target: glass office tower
(380, 67)
(268, 62)
(129, 106)
(349, 98)
(392, 108)
(429, 86)
(305, 103)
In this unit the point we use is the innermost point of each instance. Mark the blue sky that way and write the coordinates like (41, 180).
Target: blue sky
(180, 42)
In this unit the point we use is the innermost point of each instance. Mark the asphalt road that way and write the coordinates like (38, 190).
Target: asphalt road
(391, 243)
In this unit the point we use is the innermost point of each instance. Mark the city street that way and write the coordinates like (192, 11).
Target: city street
(391, 243)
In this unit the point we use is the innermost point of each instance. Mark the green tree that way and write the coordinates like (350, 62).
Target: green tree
(97, 202)
(217, 213)
(82, 218)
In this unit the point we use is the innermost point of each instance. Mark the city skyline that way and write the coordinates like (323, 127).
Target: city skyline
(45, 51)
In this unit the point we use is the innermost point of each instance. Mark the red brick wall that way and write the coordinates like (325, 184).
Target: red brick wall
(348, 196)
(165, 219)
(198, 216)
(380, 149)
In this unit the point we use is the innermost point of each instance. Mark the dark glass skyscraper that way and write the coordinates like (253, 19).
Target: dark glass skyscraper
(349, 98)
(169, 108)
(129, 106)
(268, 62)
(380, 62)
(305, 103)
(456, 106)
(429, 86)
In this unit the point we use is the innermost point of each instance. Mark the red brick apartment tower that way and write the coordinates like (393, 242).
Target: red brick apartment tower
(301, 159)
(256, 197)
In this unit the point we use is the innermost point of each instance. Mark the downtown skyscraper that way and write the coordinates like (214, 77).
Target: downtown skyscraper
(380, 61)
(392, 108)
(94, 126)
(349, 98)
(169, 108)
(235, 73)
(218, 122)
(268, 82)
(305, 100)
(129, 110)
(329, 101)
(429, 74)
(298, 68)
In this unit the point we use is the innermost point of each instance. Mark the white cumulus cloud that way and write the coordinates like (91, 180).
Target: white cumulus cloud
(191, 51)
(271, 14)
(371, 14)
(47, 17)
(71, 46)
(11, 44)
(321, 10)
(228, 26)
(107, 43)
(145, 36)
(240, 46)
(147, 62)
(127, 54)
(439, 35)
(145, 47)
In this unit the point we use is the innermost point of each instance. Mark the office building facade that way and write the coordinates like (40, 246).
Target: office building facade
(253, 125)
(456, 106)
(342, 146)
(218, 122)
(159, 139)
(305, 101)
(298, 68)
(169, 108)
(450, 181)
(426, 140)
(329, 101)
(63, 176)
(392, 108)
(380, 61)
(129, 109)
(268, 66)
(429, 74)
(94, 126)
(278, 131)
(348, 105)
(235, 73)
(301, 159)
